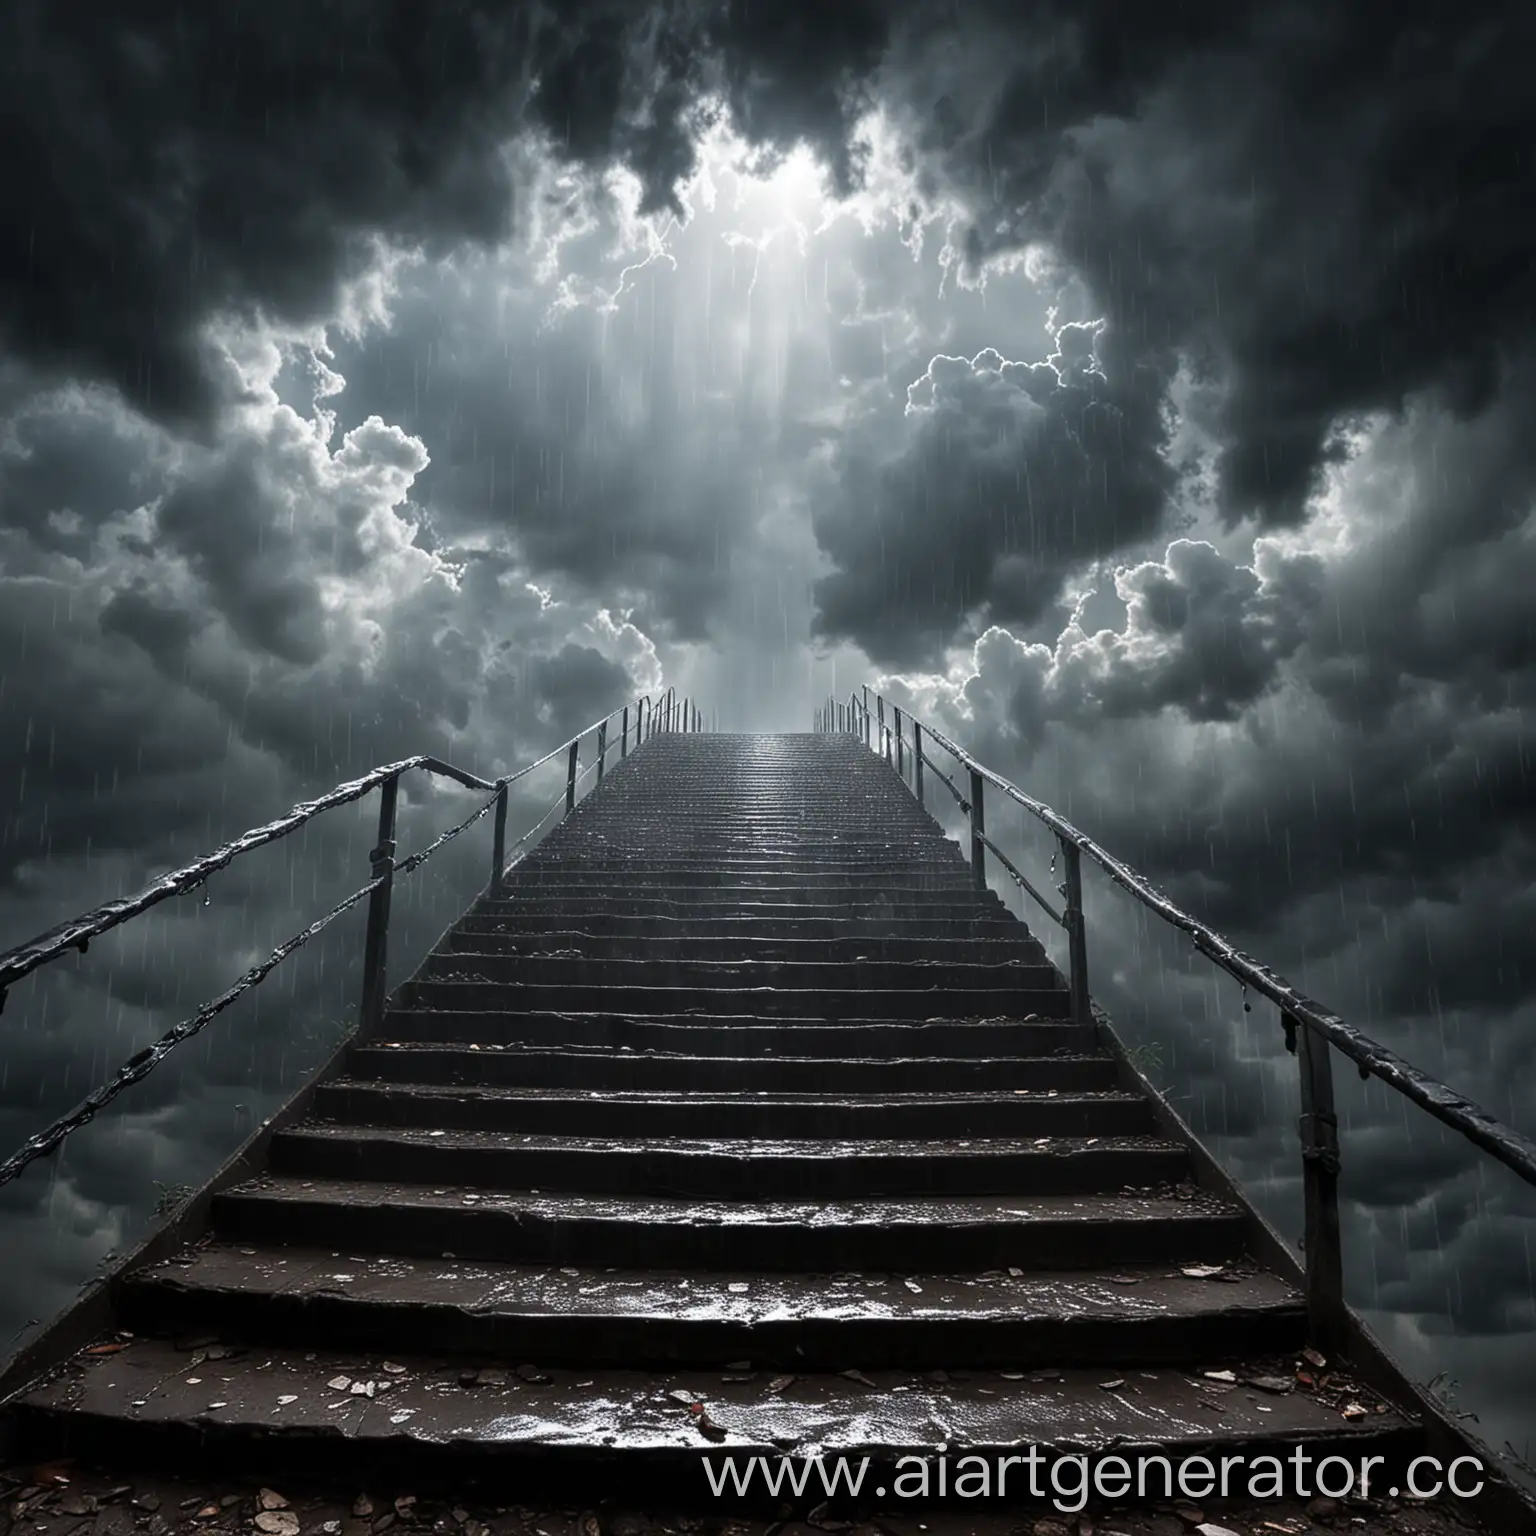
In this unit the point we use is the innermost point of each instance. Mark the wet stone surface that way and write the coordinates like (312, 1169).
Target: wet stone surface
(66, 1499)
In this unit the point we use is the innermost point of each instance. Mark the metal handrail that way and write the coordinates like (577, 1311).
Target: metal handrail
(78, 932)
(1310, 1029)
(667, 713)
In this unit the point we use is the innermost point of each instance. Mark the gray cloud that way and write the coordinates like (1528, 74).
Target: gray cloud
(1003, 477)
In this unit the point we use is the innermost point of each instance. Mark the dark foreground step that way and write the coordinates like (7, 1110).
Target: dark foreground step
(691, 1036)
(933, 1001)
(953, 973)
(633, 1318)
(984, 1232)
(634, 1432)
(602, 1068)
(581, 1112)
(727, 1169)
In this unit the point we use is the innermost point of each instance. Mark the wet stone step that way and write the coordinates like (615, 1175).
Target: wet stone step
(764, 906)
(983, 1232)
(829, 884)
(605, 922)
(584, 1112)
(794, 976)
(482, 935)
(733, 1168)
(600, 1068)
(741, 1035)
(607, 1431)
(933, 1001)
(607, 1317)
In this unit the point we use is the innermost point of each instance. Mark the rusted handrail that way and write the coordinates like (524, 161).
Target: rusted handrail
(1310, 1029)
(78, 932)
(1515, 1151)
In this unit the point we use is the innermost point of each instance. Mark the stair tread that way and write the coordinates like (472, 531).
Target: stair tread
(632, 1412)
(518, 1048)
(828, 1150)
(691, 1096)
(920, 1211)
(487, 1287)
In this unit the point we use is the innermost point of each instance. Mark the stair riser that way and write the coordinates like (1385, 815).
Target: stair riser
(721, 1176)
(832, 1119)
(781, 1247)
(998, 1002)
(639, 1073)
(619, 1342)
(655, 970)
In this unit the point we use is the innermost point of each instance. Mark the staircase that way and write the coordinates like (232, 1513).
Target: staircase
(742, 1119)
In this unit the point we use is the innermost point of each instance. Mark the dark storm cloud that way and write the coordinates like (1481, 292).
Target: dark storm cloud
(167, 164)
(573, 437)
(1009, 475)
(1322, 222)
(1336, 199)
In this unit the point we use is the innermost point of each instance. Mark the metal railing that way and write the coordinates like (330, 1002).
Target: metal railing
(1310, 1029)
(666, 713)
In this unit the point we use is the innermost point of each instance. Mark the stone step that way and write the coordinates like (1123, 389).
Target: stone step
(585, 1434)
(729, 1168)
(603, 859)
(977, 1232)
(689, 1035)
(934, 1001)
(476, 935)
(727, 901)
(759, 851)
(644, 1318)
(601, 1069)
(794, 976)
(603, 920)
(830, 883)
(724, 1114)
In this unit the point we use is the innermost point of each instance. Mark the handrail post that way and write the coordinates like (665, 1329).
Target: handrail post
(1321, 1244)
(499, 842)
(624, 734)
(570, 778)
(602, 749)
(370, 1012)
(978, 826)
(917, 759)
(866, 716)
(1077, 931)
(883, 747)
(900, 768)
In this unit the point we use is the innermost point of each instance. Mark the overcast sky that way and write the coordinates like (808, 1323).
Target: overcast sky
(1144, 393)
